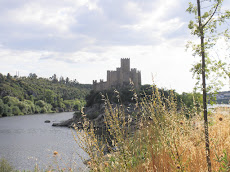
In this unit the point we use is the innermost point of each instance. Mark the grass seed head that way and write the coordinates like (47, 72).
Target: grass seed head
(106, 164)
(220, 118)
(55, 153)
(178, 166)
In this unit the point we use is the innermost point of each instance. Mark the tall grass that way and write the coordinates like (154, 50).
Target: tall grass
(159, 136)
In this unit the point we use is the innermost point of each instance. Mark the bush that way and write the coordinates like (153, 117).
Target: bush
(37, 109)
(16, 110)
(7, 111)
(10, 101)
(1, 107)
(40, 103)
(42, 107)
(5, 166)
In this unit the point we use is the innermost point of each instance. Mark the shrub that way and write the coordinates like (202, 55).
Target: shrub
(7, 110)
(10, 101)
(40, 103)
(1, 107)
(16, 110)
(5, 166)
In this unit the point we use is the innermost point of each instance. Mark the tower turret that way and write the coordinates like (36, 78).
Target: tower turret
(125, 64)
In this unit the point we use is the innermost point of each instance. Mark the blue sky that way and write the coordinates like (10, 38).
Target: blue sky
(82, 39)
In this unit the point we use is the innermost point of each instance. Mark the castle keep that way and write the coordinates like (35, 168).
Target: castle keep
(119, 78)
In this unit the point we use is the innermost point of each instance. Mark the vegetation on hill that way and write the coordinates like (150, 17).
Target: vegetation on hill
(164, 139)
(127, 95)
(30, 95)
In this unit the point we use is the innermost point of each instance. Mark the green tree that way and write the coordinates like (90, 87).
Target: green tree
(9, 77)
(2, 78)
(205, 28)
(15, 110)
(49, 96)
(33, 75)
(11, 101)
(7, 111)
(1, 107)
(40, 103)
(67, 80)
(62, 80)
(54, 78)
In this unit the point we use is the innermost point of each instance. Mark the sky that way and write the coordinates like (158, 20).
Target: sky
(82, 39)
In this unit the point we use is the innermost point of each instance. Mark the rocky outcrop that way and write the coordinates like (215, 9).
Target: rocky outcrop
(66, 123)
(96, 115)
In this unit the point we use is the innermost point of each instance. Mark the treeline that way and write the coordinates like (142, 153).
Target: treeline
(33, 94)
(128, 95)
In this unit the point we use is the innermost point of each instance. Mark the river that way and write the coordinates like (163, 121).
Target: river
(26, 141)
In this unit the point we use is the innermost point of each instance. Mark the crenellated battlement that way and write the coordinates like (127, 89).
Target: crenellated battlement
(120, 77)
(134, 70)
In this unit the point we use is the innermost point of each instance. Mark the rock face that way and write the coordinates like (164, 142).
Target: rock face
(64, 123)
(96, 115)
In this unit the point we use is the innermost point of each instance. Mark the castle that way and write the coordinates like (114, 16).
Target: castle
(119, 78)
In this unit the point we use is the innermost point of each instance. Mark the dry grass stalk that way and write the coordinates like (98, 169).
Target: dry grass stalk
(165, 141)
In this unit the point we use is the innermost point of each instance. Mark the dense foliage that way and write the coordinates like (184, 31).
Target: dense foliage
(128, 95)
(29, 95)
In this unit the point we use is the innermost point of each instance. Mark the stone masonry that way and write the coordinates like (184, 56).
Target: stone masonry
(119, 78)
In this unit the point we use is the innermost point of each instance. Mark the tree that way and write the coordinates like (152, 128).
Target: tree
(205, 27)
(1, 107)
(15, 110)
(62, 80)
(33, 75)
(54, 78)
(9, 77)
(67, 80)
(49, 96)
(2, 78)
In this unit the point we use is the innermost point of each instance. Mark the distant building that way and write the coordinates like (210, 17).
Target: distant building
(119, 78)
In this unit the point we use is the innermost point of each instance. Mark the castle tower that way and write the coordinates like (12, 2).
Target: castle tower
(108, 79)
(125, 64)
(139, 77)
(95, 85)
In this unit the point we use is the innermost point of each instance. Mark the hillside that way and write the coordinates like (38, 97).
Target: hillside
(29, 95)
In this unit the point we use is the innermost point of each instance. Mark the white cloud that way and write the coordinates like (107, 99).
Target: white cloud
(84, 38)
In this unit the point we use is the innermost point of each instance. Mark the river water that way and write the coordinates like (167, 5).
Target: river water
(26, 141)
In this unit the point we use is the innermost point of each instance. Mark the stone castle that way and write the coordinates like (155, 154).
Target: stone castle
(119, 78)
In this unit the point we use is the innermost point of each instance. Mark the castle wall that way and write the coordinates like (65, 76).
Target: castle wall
(134, 77)
(114, 78)
(119, 78)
